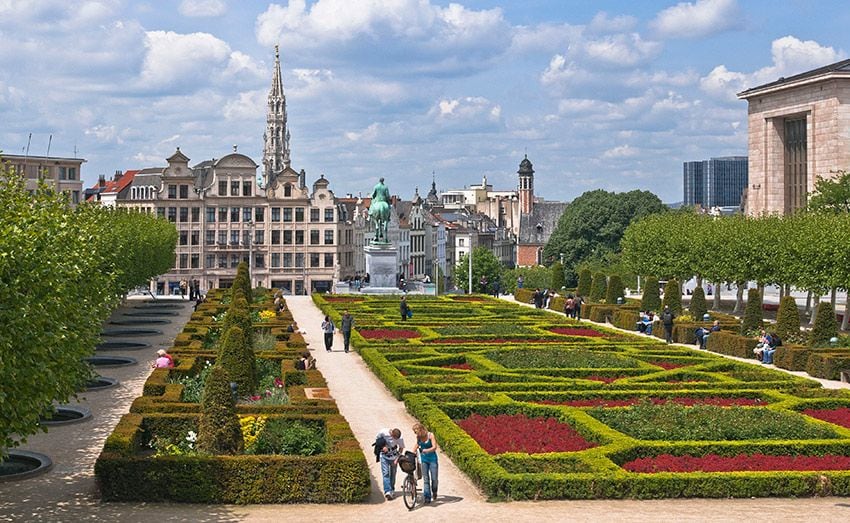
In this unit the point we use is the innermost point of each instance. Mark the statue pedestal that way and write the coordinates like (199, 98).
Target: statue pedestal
(382, 266)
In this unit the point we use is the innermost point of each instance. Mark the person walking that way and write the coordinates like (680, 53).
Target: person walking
(520, 282)
(328, 329)
(569, 304)
(345, 327)
(577, 303)
(404, 308)
(426, 444)
(497, 288)
(667, 318)
(390, 445)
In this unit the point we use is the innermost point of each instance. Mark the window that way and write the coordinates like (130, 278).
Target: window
(287, 259)
(75, 197)
(196, 237)
(184, 261)
(329, 259)
(234, 214)
(222, 261)
(299, 214)
(222, 214)
(287, 237)
(329, 215)
(209, 239)
(259, 260)
(287, 214)
(329, 237)
(196, 214)
(184, 214)
(314, 237)
(172, 214)
(796, 182)
(222, 237)
(246, 238)
(299, 259)
(210, 261)
(275, 259)
(160, 212)
(234, 261)
(275, 237)
(259, 214)
(287, 191)
(275, 214)
(299, 237)
(234, 188)
(184, 236)
(72, 173)
(63, 173)
(314, 259)
(246, 188)
(460, 243)
(234, 237)
(210, 214)
(222, 188)
(195, 262)
(184, 193)
(260, 237)
(246, 214)
(314, 215)
(172, 192)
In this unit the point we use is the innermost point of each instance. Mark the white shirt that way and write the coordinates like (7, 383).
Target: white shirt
(394, 446)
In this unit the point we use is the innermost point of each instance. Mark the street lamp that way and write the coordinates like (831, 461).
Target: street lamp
(250, 246)
(470, 267)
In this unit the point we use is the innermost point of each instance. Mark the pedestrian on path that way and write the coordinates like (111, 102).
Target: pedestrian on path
(393, 446)
(426, 444)
(577, 303)
(404, 309)
(347, 324)
(667, 318)
(328, 328)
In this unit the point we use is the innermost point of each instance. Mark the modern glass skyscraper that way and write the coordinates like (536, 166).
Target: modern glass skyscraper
(718, 182)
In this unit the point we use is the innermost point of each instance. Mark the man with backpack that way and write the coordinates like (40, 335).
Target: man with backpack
(767, 354)
(388, 446)
(667, 318)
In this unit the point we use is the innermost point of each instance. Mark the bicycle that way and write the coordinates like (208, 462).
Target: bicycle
(409, 464)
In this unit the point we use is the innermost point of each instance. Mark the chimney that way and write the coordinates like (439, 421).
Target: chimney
(118, 175)
(101, 180)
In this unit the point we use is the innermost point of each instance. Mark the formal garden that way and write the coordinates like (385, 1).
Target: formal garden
(235, 420)
(531, 405)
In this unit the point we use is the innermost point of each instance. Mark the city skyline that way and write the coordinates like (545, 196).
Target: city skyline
(609, 95)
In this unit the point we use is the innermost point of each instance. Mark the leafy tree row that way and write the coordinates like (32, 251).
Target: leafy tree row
(62, 272)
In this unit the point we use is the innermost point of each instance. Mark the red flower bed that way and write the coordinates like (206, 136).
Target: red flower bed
(628, 402)
(519, 433)
(461, 366)
(388, 334)
(667, 365)
(742, 462)
(839, 416)
(576, 332)
(492, 340)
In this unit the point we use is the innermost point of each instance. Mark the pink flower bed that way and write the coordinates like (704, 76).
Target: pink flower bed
(519, 433)
(741, 462)
(839, 416)
(667, 365)
(461, 366)
(628, 402)
(388, 334)
(576, 332)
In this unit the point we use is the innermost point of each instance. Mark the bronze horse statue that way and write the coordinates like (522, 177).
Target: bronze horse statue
(379, 211)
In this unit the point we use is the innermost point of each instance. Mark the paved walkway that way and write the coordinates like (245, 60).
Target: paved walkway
(68, 492)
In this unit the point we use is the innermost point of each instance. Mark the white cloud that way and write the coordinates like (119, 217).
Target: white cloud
(621, 49)
(366, 135)
(602, 23)
(699, 19)
(246, 105)
(174, 59)
(470, 108)
(105, 133)
(202, 8)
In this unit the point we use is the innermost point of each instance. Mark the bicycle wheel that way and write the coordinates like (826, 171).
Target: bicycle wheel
(408, 489)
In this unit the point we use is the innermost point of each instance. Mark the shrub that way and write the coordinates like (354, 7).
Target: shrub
(615, 289)
(753, 318)
(698, 306)
(239, 315)
(825, 326)
(284, 436)
(651, 300)
(672, 296)
(787, 320)
(597, 287)
(558, 279)
(243, 281)
(585, 281)
(238, 361)
(219, 431)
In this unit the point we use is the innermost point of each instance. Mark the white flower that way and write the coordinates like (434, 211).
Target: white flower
(192, 436)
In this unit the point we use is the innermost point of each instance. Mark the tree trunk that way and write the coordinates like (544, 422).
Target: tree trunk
(808, 302)
(832, 297)
(699, 281)
(717, 296)
(739, 298)
(844, 320)
(781, 292)
(814, 309)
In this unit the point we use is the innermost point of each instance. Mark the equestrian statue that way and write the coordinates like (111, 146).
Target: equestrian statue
(379, 211)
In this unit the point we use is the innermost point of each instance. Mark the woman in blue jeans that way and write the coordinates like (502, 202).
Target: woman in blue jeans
(426, 444)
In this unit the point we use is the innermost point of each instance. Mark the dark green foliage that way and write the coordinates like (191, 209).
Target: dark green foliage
(672, 296)
(598, 287)
(753, 314)
(484, 265)
(651, 300)
(825, 326)
(788, 320)
(243, 281)
(219, 431)
(615, 289)
(585, 282)
(557, 276)
(698, 305)
(533, 278)
(559, 358)
(239, 362)
(286, 436)
(239, 315)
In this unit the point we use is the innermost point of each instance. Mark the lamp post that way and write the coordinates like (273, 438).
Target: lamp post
(470, 267)
(250, 248)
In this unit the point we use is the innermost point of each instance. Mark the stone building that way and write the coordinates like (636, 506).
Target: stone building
(798, 131)
(60, 174)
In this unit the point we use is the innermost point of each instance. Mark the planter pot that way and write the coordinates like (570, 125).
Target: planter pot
(101, 383)
(140, 321)
(130, 333)
(150, 313)
(23, 464)
(121, 345)
(111, 361)
(67, 415)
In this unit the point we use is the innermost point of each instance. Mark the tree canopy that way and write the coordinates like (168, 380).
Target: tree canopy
(484, 265)
(831, 195)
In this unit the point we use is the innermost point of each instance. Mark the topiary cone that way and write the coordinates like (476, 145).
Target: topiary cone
(651, 300)
(239, 363)
(788, 319)
(753, 315)
(219, 431)
(698, 306)
(825, 326)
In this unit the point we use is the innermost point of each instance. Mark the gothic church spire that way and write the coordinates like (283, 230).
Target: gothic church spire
(276, 137)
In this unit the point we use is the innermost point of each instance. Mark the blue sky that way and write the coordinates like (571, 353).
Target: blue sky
(603, 94)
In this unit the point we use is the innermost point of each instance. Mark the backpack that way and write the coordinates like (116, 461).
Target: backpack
(667, 317)
(379, 445)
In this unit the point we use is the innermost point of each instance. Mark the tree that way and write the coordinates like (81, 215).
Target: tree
(585, 281)
(593, 225)
(825, 326)
(238, 360)
(753, 315)
(788, 320)
(698, 307)
(219, 431)
(651, 300)
(243, 281)
(672, 296)
(831, 195)
(557, 276)
(615, 289)
(484, 265)
(533, 278)
(598, 287)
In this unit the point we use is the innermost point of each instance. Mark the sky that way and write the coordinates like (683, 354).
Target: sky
(604, 94)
